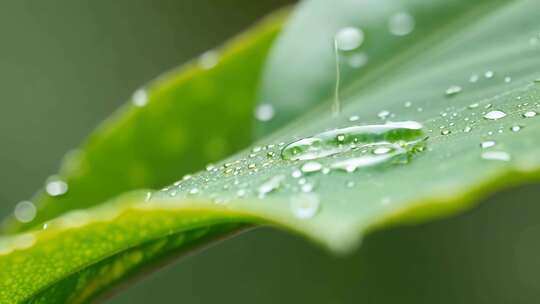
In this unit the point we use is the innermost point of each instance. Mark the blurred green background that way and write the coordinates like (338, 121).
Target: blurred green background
(66, 65)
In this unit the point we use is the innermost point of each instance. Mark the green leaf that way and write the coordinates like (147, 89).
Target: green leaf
(124, 154)
(433, 172)
(201, 112)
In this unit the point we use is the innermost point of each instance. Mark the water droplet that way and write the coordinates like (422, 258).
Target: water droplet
(56, 187)
(349, 38)
(270, 185)
(25, 211)
(194, 191)
(515, 128)
(401, 24)
(208, 59)
(496, 155)
(474, 105)
(487, 144)
(445, 132)
(307, 187)
(383, 114)
(453, 90)
(407, 104)
(241, 192)
(494, 115)
(474, 78)
(529, 114)
(354, 118)
(357, 60)
(304, 205)
(326, 143)
(148, 196)
(186, 177)
(311, 166)
(382, 150)
(252, 166)
(467, 129)
(264, 112)
(296, 173)
(489, 74)
(140, 98)
(350, 184)
(507, 79)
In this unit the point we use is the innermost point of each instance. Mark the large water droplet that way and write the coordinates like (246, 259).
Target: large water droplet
(25, 211)
(494, 115)
(401, 24)
(304, 205)
(349, 38)
(342, 140)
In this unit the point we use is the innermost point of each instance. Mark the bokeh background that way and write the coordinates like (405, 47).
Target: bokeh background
(66, 65)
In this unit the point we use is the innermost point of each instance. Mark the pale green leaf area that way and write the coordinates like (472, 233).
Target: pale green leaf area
(423, 76)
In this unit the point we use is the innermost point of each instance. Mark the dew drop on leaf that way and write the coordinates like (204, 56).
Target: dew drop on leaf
(401, 24)
(349, 38)
(344, 139)
(357, 60)
(25, 211)
(140, 98)
(529, 114)
(264, 112)
(487, 144)
(494, 115)
(311, 166)
(304, 205)
(453, 90)
(270, 185)
(56, 187)
(496, 155)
